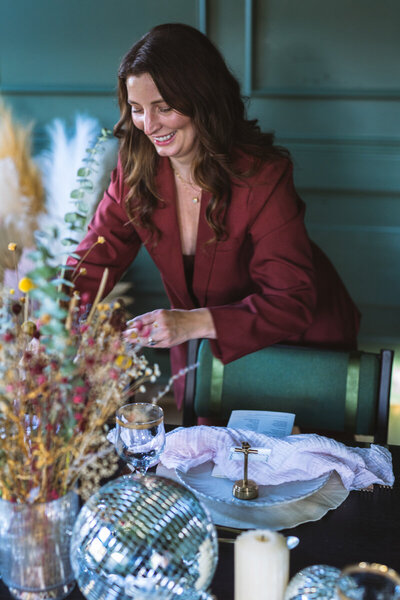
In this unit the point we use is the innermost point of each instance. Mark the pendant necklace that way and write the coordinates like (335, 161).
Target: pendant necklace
(187, 184)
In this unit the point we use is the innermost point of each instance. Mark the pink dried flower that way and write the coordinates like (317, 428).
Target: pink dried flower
(77, 399)
(85, 298)
(8, 336)
(37, 369)
(113, 374)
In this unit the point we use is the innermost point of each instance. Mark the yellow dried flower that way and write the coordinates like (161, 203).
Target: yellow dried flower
(82, 271)
(29, 328)
(101, 240)
(123, 362)
(26, 285)
(12, 246)
(12, 292)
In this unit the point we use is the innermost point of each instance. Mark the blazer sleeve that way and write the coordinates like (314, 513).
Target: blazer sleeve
(121, 242)
(280, 305)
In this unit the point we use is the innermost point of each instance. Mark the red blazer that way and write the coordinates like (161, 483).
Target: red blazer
(266, 283)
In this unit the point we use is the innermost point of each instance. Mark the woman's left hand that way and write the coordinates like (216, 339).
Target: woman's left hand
(165, 328)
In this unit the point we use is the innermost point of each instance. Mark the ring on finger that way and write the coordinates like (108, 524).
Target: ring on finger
(155, 324)
(151, 342)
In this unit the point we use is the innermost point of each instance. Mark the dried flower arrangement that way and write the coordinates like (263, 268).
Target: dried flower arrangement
(64, 369)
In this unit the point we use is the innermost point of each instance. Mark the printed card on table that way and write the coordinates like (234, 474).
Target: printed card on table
(268, 422)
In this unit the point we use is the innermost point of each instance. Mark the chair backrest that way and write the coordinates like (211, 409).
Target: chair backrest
(328, 390)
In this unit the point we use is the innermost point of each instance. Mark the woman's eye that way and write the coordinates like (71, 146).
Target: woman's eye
(166, 109)
(135, 110)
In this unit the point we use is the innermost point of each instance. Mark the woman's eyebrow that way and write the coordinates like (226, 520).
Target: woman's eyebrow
(160, 101)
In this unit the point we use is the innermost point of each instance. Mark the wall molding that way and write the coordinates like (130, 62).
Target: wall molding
(57, 90)
(346, 193)
(202, 15)
(87, 90)
(296, 93)
(376, 229)
(380, 142)
(326, 94)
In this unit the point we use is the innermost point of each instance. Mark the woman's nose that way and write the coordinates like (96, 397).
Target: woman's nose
(151, 124)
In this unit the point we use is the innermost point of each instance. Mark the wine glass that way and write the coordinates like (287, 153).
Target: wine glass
(140, 434)
(367, 581)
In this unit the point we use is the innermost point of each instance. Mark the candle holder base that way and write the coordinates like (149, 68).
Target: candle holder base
(245, 489)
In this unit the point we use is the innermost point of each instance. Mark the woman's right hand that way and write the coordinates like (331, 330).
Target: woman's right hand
(166, 328)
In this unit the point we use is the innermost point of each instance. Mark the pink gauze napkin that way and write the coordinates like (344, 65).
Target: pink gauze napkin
(292, 458)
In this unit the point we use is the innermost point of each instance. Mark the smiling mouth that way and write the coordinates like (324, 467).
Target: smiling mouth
(162, 139)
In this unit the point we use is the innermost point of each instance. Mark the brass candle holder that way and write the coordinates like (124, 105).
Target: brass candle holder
(245, 489)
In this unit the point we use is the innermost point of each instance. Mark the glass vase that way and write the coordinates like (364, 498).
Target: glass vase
(35, 545)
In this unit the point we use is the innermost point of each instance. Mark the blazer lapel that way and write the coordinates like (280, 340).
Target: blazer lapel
(205, 253)
(169, 249)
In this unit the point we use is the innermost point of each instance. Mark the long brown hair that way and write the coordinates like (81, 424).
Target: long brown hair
(193, 79)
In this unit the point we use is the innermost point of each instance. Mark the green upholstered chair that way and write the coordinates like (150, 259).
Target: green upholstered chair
(328, 390)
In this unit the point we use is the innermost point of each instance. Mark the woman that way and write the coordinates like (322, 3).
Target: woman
(213, 200)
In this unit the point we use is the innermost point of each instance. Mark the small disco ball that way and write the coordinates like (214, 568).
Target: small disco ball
(317, 582)
(143, 538)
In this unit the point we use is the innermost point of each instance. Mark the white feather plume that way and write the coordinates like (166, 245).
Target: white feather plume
(59, 165)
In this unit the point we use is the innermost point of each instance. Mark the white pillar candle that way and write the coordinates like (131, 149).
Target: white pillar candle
(261, 565)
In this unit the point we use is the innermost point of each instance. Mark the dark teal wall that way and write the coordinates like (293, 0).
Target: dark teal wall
(324, 74)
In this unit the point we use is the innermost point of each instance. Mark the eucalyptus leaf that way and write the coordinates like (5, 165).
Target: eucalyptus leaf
(87, 185)
(69, 242)
(82, 207)
(61, 281)
(84, 172)
(71, 217)
(77, 194)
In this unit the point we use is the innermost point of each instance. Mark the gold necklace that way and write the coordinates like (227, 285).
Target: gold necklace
(187, 184)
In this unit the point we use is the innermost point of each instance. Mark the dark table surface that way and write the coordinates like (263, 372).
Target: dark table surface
(366, 527)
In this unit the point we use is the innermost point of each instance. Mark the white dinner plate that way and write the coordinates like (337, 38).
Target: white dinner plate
(218, 489)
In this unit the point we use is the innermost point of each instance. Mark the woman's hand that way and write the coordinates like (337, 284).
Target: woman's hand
(165, 328)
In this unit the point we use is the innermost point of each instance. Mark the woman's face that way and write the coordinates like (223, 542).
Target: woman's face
(172, 134)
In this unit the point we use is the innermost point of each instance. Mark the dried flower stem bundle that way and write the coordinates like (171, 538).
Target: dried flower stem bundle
(54, 425)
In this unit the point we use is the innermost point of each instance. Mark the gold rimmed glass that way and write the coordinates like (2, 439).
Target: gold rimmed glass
(368, 581)
(140, 435)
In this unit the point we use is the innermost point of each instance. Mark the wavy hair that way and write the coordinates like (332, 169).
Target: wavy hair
(193, 79)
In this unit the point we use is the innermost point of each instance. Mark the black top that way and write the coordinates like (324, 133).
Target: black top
(188, 267)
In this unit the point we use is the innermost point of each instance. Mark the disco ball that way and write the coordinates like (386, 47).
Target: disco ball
(317, 582)
(143, 538)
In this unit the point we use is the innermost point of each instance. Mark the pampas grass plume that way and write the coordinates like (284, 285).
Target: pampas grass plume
(15, 146)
